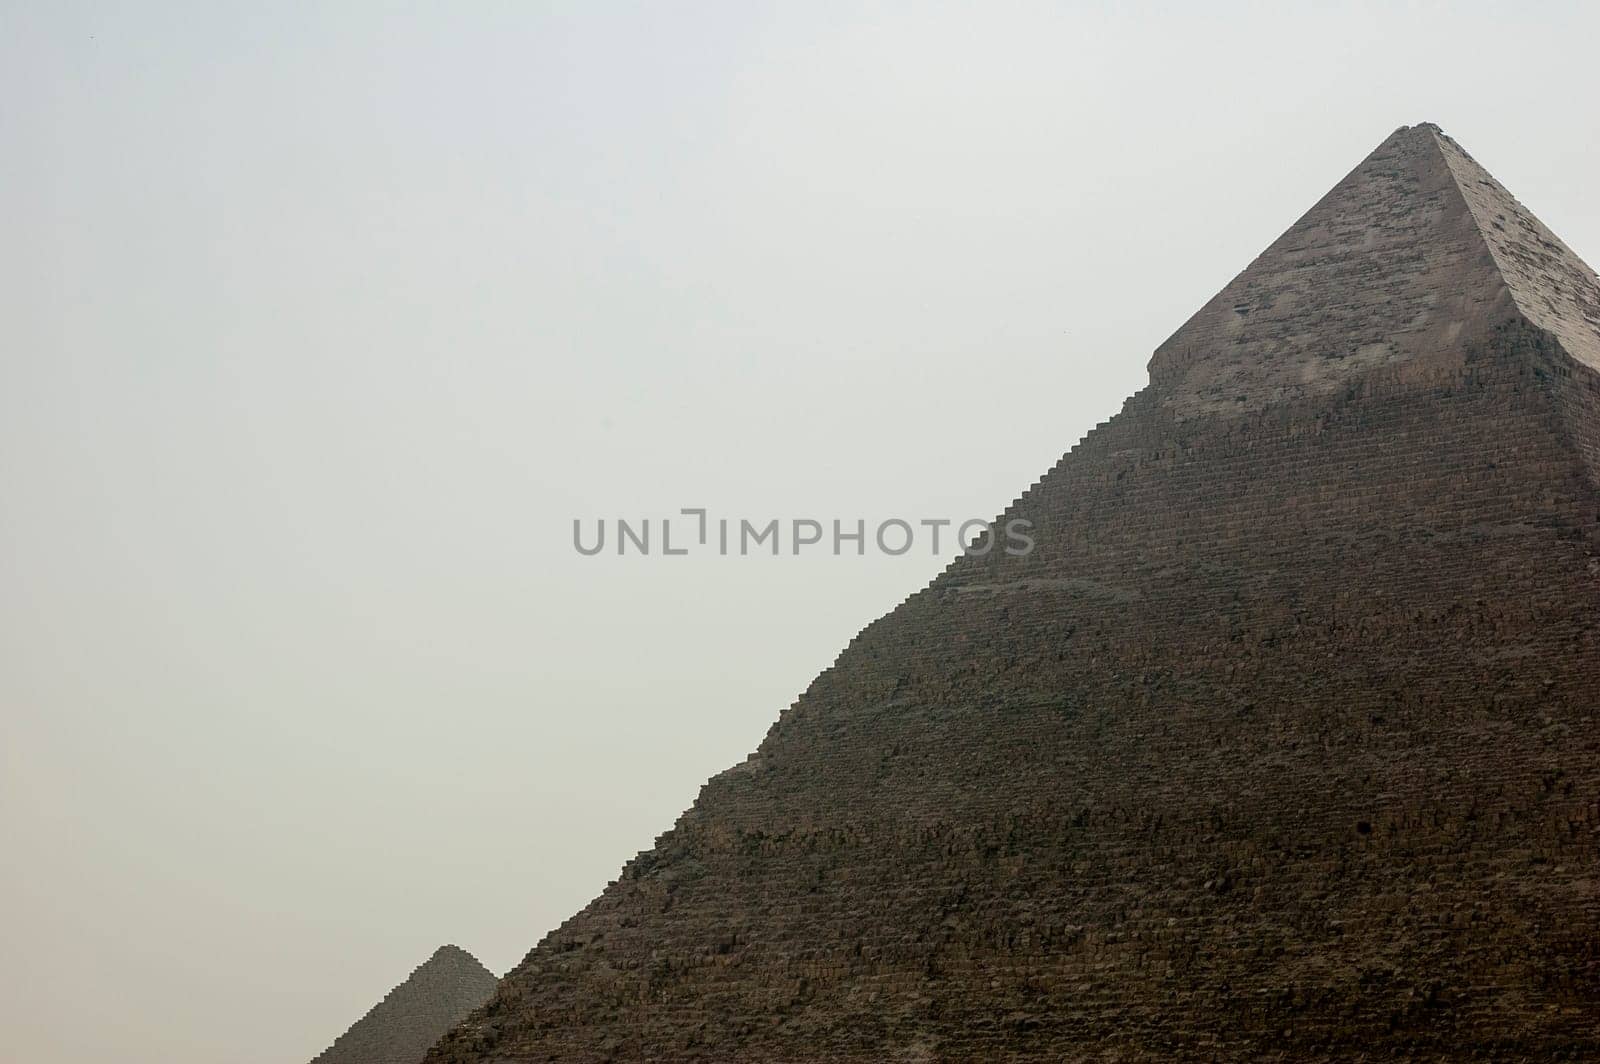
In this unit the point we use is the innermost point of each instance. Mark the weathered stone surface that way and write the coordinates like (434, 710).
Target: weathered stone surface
(413, 1015)
(1552, 287)
(1282, 744)
(1390, 268)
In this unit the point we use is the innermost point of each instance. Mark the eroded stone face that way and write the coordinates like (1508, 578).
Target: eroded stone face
(1281, 744)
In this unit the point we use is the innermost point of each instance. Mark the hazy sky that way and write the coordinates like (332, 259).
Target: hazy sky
(319, 326)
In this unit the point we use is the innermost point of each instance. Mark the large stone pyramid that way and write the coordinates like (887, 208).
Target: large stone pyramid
(401, 1027)
(1283, 744)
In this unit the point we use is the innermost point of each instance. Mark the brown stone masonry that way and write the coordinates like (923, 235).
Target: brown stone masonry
(1281, 745)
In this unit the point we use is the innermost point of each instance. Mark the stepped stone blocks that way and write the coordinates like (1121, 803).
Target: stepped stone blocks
(1283, 744)
(401, 1027)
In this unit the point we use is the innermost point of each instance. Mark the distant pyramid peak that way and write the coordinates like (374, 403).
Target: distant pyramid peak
(1405, 265)
(438, 994)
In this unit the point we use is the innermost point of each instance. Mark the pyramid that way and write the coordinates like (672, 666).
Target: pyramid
(411, 1018)
(1282, 744)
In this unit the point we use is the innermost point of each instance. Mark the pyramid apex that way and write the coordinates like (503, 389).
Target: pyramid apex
(454, 954)
(1419, 130)
(1412, 258)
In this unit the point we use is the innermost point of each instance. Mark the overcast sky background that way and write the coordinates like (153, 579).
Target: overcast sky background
(318, 327)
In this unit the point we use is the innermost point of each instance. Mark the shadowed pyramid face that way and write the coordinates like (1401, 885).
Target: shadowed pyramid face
(1282, 742)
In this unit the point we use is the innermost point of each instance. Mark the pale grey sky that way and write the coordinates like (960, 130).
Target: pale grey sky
(319, 325)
